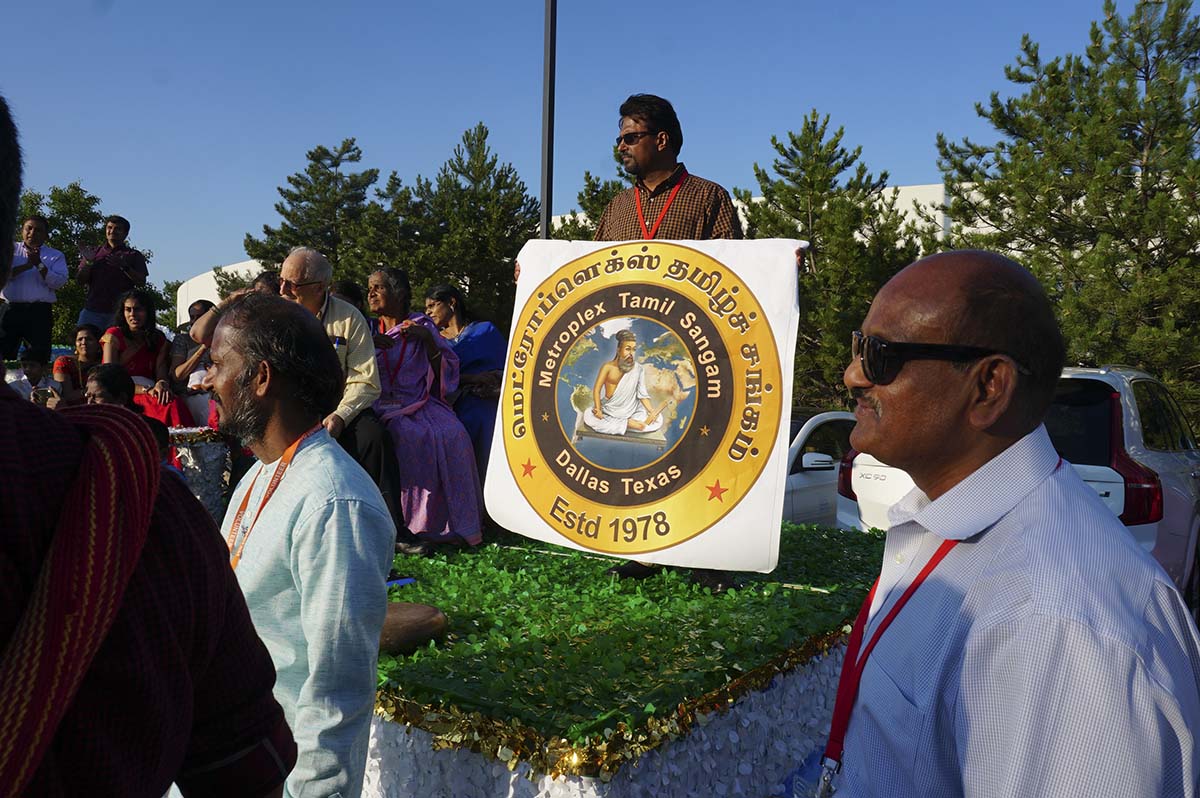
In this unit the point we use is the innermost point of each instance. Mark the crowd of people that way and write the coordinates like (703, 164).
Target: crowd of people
(1031, 647)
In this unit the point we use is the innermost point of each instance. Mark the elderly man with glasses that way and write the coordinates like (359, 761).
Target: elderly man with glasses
(1017, 641)
(305, 278)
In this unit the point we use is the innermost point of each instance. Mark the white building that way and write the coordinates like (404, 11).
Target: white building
(204, 286)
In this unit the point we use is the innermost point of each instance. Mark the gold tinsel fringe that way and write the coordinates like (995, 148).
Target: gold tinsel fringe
(602, 755)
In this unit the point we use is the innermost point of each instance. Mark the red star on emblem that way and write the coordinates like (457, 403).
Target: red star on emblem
(715, 491)
(527, 468)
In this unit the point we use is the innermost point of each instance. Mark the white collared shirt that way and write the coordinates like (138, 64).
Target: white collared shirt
(1048, 655)
(30, 286)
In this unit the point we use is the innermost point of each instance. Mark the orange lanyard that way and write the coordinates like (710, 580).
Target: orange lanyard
(670, 198)
(276, 478)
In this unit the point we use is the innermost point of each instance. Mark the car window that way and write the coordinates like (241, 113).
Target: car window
(1158, 427)
(831, 438)
(1188, 440)
(1181, 432)
(1079, 420)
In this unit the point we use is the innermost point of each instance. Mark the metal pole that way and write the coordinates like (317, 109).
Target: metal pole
(548, 117)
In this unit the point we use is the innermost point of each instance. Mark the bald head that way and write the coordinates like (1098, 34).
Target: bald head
(304, 278)
(315, 265)
(976, 298)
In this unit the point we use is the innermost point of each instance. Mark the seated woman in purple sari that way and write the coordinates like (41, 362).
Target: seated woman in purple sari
(417, 370)
(480, 348)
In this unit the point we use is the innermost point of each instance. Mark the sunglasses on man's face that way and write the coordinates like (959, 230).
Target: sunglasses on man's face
(291, 286)
(882, 360)
(633, 138)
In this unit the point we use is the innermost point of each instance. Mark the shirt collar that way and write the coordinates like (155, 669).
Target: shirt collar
(666, 185)
(976, 503)
(324, 308)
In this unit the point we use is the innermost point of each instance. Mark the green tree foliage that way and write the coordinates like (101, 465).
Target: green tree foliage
(76, 220)
(822, 192)
(169, 297)
(1094, 184)
(320, 208)
(465, 226)
(593, 199)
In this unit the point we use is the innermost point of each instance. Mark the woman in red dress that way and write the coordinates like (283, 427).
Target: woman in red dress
(143, 350)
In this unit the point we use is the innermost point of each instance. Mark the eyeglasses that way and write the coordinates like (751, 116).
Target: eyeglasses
(289, 285)
(882, 360)
(633, 138)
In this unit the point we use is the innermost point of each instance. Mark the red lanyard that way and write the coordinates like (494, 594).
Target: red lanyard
(276, 478)
(670, 198)
(852, 666)
(393, 371)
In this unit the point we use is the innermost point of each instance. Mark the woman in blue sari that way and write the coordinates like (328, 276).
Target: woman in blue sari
(480, 348)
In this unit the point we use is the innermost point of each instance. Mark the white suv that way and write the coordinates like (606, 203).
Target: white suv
(1125, 436)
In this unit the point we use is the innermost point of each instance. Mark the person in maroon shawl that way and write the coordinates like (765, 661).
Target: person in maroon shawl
(127, 657)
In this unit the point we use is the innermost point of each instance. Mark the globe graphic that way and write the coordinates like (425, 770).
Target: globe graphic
(670, 381)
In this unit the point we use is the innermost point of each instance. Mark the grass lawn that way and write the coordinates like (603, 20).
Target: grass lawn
(551, 660)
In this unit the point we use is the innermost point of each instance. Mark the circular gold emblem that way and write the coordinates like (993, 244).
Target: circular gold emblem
(643, 396)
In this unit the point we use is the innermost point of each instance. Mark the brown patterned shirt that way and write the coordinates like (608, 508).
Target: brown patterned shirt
(701, 210)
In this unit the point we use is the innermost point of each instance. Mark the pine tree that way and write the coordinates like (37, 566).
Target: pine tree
(1094, 184)
(593, 199)
(466, 226)
(822, 192)
(321, 209)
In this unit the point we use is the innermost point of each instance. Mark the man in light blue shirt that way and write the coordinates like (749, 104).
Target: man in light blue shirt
(310, 537)
(1046, 654)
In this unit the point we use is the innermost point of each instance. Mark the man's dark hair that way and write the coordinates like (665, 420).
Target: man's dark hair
(657, 114)
(10, 183)
(291, 339)
(37, 217)
(350, 290)
(624, 335)
(116, 382)
(34, 354)
(266, 280)
(1008, 310)
(205, 306)
(119, 221)
(162, 435)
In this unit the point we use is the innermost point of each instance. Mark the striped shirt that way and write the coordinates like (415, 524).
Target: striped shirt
(1047, 655)
(700, 211)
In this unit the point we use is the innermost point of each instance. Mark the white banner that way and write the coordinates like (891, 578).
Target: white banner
(646, 400)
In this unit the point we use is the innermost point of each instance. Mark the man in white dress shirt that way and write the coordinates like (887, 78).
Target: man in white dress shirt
(38, 272)
(1046, 654)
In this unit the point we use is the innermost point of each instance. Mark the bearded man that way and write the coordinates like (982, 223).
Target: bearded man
(621, 401)
(309, 535)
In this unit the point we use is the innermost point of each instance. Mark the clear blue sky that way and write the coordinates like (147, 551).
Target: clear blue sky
(185, 117)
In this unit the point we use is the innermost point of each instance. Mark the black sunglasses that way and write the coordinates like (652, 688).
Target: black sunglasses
(633, 138)
(882, 360)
